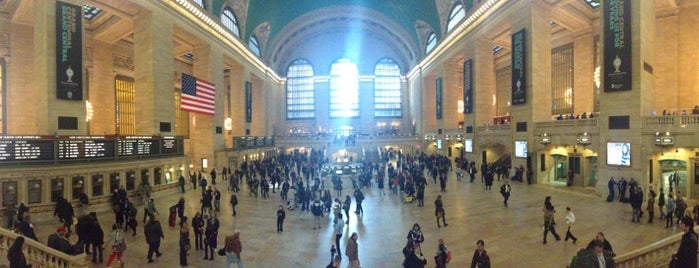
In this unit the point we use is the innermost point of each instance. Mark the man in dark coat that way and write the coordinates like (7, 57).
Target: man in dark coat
(59, 242)
(154, 233)
(96, 238)
(687, 252)
(84, 228)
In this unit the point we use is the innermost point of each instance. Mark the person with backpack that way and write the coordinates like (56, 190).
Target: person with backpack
(317, 210)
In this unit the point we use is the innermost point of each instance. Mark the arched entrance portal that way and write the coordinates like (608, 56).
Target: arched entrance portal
(673, 173)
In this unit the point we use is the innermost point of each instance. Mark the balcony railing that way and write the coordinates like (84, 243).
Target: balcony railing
(671, 120)
(568, 123)
(40, 255)
(494, 127)
(654, 255)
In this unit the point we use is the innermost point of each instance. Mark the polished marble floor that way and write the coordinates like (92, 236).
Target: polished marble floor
(513, 235)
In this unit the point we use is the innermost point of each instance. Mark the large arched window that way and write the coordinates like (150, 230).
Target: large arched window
(254, 45)
(344, 89)
(199, 2)
(300, 91)
(431, 42)
(388, 95)
(228, 19)
(455, 16)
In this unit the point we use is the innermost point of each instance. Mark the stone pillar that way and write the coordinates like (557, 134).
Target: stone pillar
(452, 92)
(102, 90)
(154, 68)
(634, 103)
(204, 141)
(237, 113)
(49, 107)
(484, 85)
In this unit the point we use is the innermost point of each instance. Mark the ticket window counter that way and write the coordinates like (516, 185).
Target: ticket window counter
(158, 176)
(34, 191)
(78, 184)
(114, 182)
(145, 176)
(57, 187)
(9, 192)
(97, 185)
(130, 180)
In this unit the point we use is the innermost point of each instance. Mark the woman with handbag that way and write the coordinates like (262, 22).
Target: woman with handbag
(116, 239)
(184, 241)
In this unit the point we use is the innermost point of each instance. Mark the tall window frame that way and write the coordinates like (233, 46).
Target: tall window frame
(181, 117)
(562, 87)
(300, 91)
(125, 90)
(230, 21)
(344, 89)
(503, 94)
(456, 15)
(3, 96)
(388, 94)
(254, 45)
(431, 42)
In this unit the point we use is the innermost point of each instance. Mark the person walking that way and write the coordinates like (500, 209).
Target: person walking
(415, 235)
(686, 255)
(150, 211)
(352, 251)
(650, 207)
(505, 190)
(439, 211)
(346, 207)
(233, 248)
(339, 228)
(217, 199)
(358, 197)
(317, 210)
(661, 204)
(116, 239)
(281, 214)
(210, 236)
(184, 243)
(570, 219)
(234, 202)
(181, 183)
(549, 222)
(154, 233)
(443, 256)
(480, 256)
(96, 238)
(11, 211)
(415, 259)
(198, 228)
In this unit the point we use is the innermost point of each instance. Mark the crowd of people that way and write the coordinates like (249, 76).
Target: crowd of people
(299, 172)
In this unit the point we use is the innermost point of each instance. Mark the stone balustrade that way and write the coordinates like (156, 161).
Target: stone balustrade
(655, 255)
(671, 120)
(40, 255)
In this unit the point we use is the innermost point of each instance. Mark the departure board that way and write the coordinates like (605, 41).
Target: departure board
(169, 145)
(26, 148)
(85, 147)
(138, 146)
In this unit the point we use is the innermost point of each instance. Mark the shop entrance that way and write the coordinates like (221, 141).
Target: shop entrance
(674, 176)
(560, 168)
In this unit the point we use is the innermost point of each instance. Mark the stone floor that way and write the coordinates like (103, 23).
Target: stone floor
(513, 236)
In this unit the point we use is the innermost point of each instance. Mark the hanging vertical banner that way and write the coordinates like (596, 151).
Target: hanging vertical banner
(468, 86)
(439, 97)
(519, 67)
(248, 102)
(617, 45)
(69, 49)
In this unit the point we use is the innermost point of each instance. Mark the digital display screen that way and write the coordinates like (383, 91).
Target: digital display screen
(169, 145)
(81, 147)
(439, 144)
(468, 145)
(137, 145)
(521, 149)
(26, 148)
(619, 154)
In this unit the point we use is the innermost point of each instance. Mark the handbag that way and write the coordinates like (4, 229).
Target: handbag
(222, 252)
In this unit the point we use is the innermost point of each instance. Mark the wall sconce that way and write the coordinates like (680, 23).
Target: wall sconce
(459, 137)
(171, 169)
(545, 138)
(584, 138)
(59, 184)
(182, 168)
(36, 186)
(10, 188)
(228, 123)
(447, 137)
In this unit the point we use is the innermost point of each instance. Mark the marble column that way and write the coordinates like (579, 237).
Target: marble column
(204, 141)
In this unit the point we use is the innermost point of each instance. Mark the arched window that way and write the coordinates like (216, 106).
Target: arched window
(344, 89)
(228, 19)
(300, 91)
(199, 2)
(254, 45)
(455, 16)
(431, 42)
(388, 96)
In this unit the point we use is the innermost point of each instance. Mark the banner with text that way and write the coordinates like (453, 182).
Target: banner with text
(468, 87)
(519, 67)
(617, 45)
(69, 49)
(248, 102)
(439, 97)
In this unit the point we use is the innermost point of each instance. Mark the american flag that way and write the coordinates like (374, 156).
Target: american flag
(198, 95)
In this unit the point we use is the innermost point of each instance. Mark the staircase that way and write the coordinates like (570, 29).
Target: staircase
(40, 255)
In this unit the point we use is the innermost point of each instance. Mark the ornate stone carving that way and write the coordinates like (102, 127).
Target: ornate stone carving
(4, 44)
(123, 62)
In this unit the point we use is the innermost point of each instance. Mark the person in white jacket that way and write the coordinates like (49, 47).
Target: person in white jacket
(570, 219)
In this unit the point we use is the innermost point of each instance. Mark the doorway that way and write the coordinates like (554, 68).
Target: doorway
(673, 174)
(560, 168)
